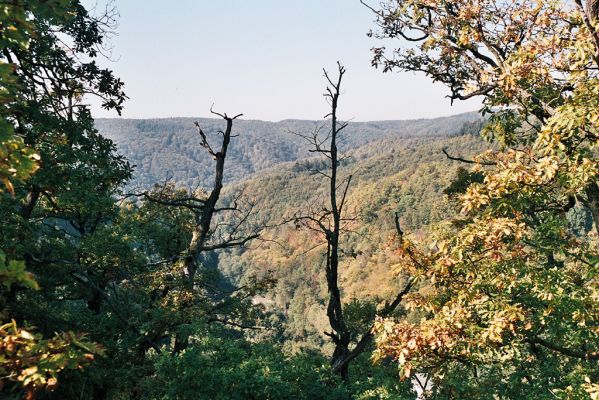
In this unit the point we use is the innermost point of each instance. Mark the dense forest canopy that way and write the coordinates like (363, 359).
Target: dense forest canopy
(170, 147)
(226, 258)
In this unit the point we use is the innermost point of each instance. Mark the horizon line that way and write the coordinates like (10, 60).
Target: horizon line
(285, 119)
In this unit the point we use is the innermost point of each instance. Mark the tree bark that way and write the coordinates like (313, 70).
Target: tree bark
(203, 217)
(592, 202)
(329, 223)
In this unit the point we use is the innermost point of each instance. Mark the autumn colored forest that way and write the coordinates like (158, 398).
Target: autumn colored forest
(229, 258)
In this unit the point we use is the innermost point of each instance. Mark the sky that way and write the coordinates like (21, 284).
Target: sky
(262, 58)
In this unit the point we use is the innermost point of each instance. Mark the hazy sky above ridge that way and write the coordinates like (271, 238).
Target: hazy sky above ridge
(263, 58)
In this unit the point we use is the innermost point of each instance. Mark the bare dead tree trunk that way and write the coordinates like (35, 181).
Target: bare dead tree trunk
(204, 207)
(329, 222)
(203, 216)
(341, 335)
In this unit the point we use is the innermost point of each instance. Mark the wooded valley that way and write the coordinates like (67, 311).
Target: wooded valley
(230, 258)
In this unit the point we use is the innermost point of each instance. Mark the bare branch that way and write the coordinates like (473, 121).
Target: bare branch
(460, 159)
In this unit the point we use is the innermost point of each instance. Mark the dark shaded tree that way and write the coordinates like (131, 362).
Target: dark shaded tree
(331, 221)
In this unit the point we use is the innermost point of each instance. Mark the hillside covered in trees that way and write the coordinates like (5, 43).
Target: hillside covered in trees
(223, 258)
(408, 177)
(171, 147)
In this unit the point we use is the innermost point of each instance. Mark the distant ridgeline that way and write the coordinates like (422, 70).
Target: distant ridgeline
(170, 147)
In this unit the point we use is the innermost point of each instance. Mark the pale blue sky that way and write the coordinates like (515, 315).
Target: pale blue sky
(263, 58)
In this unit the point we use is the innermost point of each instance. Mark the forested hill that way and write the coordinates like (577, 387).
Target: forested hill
(168, 147)
(390, 176)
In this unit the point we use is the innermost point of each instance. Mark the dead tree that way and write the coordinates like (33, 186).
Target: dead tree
(329, 221)
(203, 218)
(208, 234)
(204, 207)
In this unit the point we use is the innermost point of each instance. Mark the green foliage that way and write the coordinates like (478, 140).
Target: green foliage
(223, 369)
(506, 301)
(17, 162)
(14, 273)
(33, 363)
(360, 315)
(46, 129)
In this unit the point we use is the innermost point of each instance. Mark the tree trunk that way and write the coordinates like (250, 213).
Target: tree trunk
(203, 218)
(592, 202)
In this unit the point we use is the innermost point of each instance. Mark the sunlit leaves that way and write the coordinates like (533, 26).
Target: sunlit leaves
(14, 273)
(34, 363)
(514, 284)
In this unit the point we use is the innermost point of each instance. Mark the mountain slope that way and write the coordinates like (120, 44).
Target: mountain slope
(406, 176)
(162, 148)
(397, 166)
